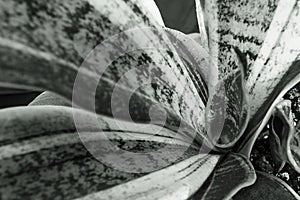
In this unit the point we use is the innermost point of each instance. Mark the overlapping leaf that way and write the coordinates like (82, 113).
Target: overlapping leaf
(42, 156)
(275, 69)
(227, 111)
(233, 167)
(179, 181)
(45, 51)
(284, 137)
(242, 24)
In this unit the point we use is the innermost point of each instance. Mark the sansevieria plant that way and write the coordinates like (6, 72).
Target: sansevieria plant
(133, 109)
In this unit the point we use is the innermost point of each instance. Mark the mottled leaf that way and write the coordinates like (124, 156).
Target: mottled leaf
(276, 69)
(178, 182)
(43, 157)
(196, 58)
(227, 110)
(133, 75)
(238, 24)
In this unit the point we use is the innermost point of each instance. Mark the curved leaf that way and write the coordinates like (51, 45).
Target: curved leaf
(284, 137)
(275, 70)
(43, 157)
(175, 182)
(227, 111)
(196, 58)
(281, 131)
(151, 10)
(234, 99)
(238, 24)
(232, 173)
(125, 77)
(267, 187)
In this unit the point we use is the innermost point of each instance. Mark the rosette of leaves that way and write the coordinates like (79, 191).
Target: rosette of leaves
(216, 90)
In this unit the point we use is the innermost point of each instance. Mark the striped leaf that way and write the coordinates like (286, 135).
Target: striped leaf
(44, 50)
(237, 24)
(43, 157)
(275, 70)
(175, 182)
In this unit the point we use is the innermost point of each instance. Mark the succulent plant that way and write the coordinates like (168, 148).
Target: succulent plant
(133, 109)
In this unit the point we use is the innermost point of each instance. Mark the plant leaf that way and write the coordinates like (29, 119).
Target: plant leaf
(238, 24)
(196, 58)
(47, 56)
(278, 50)
(281, 131)
(227, 111)
(175, 182)
(267, 187)
(41, 153)
(294, 158)
(233, 172)
(276, 69)
(151, 10)
(235, 100)
(284, 137)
